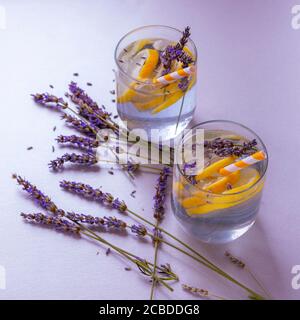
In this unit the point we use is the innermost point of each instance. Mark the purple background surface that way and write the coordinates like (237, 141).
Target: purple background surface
(249, 72)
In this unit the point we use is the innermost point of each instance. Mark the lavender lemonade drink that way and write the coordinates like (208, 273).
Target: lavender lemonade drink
(156, 79)
(219, 203)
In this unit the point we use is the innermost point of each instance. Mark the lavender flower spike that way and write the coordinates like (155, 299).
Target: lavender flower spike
(83, 218)
(40, 198)
(55, 222)
(80, 125)
(80, 94)
(49, 100)
(86, 159)
(81, 142)
(88, 108)
(160, 194)
(87, 191)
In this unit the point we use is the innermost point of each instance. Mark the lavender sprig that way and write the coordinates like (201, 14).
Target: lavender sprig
(176, 52)
(109, 223)
(40, 198)
(55, 222)
(87, 191)
(159, 212)
(241, 264)
(88, 108)
(50, 100)
(80, 125)
(80, 94)
(201, 292)
(81, 142)
(160, 194)
(86, 159)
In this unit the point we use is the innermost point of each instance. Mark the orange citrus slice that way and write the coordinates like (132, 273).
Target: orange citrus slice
(214, 168)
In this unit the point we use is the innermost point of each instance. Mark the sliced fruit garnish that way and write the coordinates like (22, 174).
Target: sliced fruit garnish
(207, 208)
(191, 202)
(173, 98)
(150, 64)
(128, 94)
(221, 184)
(145, 72)
(214, 168)
(248, 178)
(233, 196)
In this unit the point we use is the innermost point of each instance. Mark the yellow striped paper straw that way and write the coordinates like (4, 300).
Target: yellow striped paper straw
(173, 76)
(255, 157)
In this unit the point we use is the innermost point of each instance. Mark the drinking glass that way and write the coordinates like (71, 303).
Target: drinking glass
(141, 104)
(218, 217)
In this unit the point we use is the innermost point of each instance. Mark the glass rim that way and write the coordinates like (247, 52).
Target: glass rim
(139, 29)
(240, 125)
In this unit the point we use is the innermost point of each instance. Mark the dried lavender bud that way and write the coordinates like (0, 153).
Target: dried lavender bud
(160, 194)
(49, 100)
(81, 142)
(112, 222)
(29, 148)
(235, 260)
(87, 191)
(80, 125)
(89, 84)
(75, 74)
(139, 230)
(84, 159)
(40, 198)
(225, 148)
(57, 223)
(107, 251)
(132, 194)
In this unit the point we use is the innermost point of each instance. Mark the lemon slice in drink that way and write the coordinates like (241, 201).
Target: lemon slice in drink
(244, 190)
(143, 72)
(173, 97)
(214, 168)
(221, 184)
